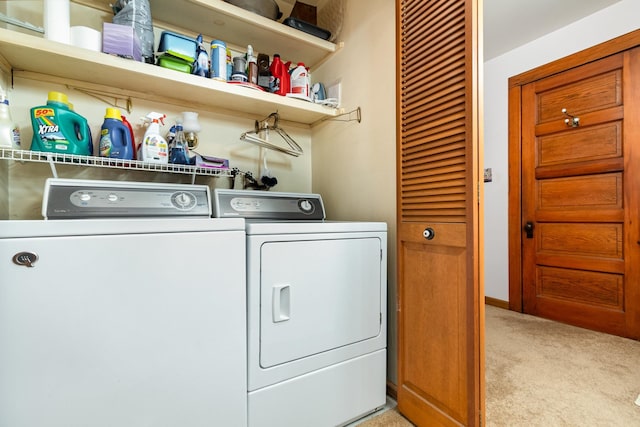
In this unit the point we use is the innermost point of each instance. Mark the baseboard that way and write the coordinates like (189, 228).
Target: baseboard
(392, 390)
(496, 302)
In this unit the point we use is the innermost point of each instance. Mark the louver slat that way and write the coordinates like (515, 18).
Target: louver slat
(433, 113)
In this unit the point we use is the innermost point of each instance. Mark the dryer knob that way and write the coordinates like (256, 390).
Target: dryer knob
(306, 206)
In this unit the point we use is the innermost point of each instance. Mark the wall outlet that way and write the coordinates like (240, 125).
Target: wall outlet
(335, 91)
(488, 176)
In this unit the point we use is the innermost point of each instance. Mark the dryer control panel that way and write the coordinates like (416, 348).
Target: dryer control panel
(263, 205)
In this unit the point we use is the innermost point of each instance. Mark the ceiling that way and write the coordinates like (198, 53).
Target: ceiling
(512, 23)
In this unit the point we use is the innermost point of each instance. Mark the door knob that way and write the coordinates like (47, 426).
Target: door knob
(429, 233)
(528, 228)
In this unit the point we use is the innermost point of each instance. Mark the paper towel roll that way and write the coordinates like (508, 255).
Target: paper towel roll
(86, 37)
(56, 20)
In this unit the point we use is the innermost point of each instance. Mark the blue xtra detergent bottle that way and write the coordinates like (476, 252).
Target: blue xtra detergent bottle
(59, 129)
(115, 139)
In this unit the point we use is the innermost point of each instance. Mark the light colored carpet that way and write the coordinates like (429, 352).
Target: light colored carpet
(544, 373)
(389, 418)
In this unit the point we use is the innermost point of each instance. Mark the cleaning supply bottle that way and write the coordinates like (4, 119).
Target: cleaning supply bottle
(202, 59)
(154, 148)
(115, 139)
(178, 151)
(59, 129)
(229, 60)
(252, 66)
(280, 81)
(9, 131)
(264, 74)
(133, 138)
(300, 81)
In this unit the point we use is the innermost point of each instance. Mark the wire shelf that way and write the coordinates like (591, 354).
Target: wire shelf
(105, 162)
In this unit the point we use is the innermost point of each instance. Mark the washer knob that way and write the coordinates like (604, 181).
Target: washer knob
(306, 206)
(183, 199)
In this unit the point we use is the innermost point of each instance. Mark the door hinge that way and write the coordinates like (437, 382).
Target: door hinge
(381, 318)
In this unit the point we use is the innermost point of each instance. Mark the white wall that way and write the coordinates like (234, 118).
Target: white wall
(354, 163)
(609, 23)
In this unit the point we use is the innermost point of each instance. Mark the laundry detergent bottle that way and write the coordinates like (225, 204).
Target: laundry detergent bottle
(59, 129)
(280, 80)
(300, 81)
(115, 139)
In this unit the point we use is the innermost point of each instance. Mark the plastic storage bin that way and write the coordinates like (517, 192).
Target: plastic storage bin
(173, 63)
(178, 45)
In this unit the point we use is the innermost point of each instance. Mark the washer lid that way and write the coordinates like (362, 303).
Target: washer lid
(86, 227)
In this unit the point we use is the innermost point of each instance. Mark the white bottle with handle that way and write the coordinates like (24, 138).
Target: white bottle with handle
(9, 131)
(300, 81)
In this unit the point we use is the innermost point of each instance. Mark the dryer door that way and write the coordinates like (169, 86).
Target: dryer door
(318, 295)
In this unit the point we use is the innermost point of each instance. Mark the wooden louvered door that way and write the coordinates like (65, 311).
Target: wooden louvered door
(440, 295)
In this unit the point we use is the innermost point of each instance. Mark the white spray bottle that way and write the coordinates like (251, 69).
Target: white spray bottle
(9, 131)
(154, 148)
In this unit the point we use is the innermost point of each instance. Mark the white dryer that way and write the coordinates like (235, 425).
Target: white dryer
(317, 297)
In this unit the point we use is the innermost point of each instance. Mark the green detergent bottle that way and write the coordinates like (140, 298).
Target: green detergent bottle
(59, 129)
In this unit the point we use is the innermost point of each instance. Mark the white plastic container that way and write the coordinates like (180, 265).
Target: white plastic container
(9, 131)
(154, 148)
(300, 81)
(56, 15)
(252, 66)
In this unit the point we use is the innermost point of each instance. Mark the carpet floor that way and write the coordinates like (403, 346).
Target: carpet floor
(544, 373)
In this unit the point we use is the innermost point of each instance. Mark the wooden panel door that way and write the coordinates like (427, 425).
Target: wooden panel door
(440, 306)
(580, 192)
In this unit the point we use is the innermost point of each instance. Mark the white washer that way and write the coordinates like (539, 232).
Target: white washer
(317, 297)
(123, 322)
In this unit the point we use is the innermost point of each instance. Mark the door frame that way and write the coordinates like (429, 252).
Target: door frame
(599, 51)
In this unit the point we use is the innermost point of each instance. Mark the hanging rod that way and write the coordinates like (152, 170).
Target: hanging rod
(99, 95)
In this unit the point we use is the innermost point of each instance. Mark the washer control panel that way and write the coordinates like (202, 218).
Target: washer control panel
(267, 205)
(70, 199)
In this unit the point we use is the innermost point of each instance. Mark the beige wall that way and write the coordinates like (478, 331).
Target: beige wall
(354, 163)
(219, 137)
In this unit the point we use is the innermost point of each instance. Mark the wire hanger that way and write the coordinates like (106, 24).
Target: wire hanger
(254, 136)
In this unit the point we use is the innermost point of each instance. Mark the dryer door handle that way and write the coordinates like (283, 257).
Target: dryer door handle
(281, 303)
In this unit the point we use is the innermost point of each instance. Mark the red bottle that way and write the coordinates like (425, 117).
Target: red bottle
(280, 79)
(133, 140)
